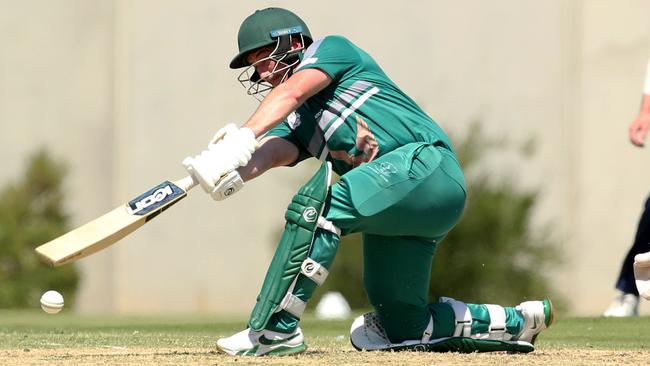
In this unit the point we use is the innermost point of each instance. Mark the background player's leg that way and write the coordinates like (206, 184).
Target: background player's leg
(641, 244)
(626, 304)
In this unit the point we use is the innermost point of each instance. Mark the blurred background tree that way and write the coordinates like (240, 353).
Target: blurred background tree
(31, 213)
(493, 255)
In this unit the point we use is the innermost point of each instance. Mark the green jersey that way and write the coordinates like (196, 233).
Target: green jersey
(360, 116)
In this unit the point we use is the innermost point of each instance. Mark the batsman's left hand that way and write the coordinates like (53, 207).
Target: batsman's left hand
(214, 168)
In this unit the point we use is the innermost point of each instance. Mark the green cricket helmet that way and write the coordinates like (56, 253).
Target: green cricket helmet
(266, 27)
(271, 27)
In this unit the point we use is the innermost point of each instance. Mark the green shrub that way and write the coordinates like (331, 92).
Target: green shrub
(493, 255)
(31, 213)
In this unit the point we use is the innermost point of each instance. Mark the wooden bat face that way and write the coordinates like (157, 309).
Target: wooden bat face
(114, 225)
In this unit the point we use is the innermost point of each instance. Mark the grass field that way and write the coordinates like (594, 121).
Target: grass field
(35, 338)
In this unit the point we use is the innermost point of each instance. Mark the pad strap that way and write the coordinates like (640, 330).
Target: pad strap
(314, 271)
(293, 305)
(497, 328)
(463, 317)
(326, 224)
(428, 332)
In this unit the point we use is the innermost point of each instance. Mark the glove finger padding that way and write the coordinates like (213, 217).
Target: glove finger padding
(225, 130)
(214, 168)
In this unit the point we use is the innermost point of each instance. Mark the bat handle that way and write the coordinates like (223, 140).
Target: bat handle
(187, 183)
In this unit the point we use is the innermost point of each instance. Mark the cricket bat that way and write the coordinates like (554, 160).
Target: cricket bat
(114, 225)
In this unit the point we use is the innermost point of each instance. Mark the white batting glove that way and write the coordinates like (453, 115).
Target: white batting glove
(214, 168)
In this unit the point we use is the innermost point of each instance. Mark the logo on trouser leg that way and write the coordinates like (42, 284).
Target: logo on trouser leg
(310, 214)
(384, 170)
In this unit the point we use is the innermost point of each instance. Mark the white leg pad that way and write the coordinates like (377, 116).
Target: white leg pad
(463, 317)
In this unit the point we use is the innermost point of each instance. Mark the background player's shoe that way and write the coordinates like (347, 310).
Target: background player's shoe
(538, 315)
(251, 343)
(623, 305)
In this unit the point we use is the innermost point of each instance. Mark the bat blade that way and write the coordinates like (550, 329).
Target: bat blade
(114, 225)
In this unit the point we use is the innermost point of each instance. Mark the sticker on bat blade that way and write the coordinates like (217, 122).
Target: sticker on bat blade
(154, 198)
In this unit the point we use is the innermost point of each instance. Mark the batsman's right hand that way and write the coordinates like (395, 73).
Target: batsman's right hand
(214, 168)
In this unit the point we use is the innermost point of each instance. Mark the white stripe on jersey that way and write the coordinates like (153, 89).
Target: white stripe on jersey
(307, 61)
(337, 106)
(357, 103)
(324, 153)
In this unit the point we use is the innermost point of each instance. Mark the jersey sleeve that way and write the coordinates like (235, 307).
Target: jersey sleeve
(334, 55)
(284, 131)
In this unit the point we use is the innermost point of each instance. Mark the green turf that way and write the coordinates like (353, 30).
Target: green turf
(599, 333)
(26, 330)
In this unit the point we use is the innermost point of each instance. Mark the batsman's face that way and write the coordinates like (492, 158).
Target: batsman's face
(265, 66)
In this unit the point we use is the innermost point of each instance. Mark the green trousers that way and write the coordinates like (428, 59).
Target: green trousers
(404, 203)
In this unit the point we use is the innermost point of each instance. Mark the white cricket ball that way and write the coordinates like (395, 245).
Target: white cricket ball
(52, 302)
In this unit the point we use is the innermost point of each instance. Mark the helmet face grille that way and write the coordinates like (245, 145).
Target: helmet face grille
(285, 60)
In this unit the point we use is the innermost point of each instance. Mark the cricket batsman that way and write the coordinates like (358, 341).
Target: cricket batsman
(400, 185)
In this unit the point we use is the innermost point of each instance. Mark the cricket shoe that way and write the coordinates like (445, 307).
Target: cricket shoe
(367, 334)
(262, 343)
(623, 305)
(538, 315)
